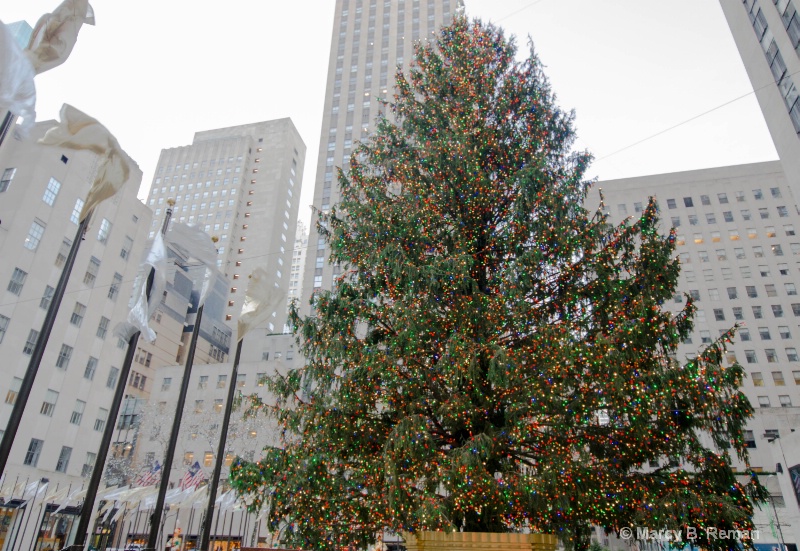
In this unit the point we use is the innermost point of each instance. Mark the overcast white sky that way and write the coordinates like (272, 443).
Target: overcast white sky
(156, 71)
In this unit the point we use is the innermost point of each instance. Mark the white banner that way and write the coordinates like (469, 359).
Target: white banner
(261, 301)
(80, 132)
(55, 34)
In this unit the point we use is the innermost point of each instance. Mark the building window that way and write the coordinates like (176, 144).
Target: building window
(49, 404)
(64, 356)
(218, 403)
(17, 281)
(11, 395)
(750, 356)
(63, 459)
(113, 290)
(208, 459)
(34, 450)
(91, 367)
(758, 379)
(33, 336)
(241, 379)
(198, 406)
(104, 232)
(102, 328)
(78, 313)
(34, 235)
(188, 459)
(203, 383)
(4, 321)
(50, 194)
(111, 381)
(786, 401)
(5, 180)
(127, 245)
(763, 401)
(784, 332)
(91, 271)
(63, 251)
(77, 412)
(221, 380)
(88, 466)
(772, 356)
(100, 422)
(44, 303)
(166, 382)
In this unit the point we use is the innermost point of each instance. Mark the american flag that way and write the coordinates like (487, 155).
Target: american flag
(194, 476)
(150, 477)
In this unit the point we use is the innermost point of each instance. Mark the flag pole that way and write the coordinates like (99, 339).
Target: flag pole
(212, 489)
(105, 443)
(152, 540)
(38, 350)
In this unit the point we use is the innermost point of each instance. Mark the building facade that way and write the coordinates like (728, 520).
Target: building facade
(42, 190)
(767, 34)
(738, 241)
(370, 39)
(242, 185)
(298, 264)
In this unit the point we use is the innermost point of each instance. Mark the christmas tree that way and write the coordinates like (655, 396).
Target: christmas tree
(494, 356)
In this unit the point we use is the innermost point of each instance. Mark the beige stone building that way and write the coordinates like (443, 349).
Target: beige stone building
(41, 194)
(738, 240)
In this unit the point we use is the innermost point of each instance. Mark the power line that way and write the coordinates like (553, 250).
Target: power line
(695, 117)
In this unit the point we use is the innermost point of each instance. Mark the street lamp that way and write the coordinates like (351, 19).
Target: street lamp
(772, 436)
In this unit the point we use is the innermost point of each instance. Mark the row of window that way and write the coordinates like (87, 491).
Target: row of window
(733, 292)
(738, 312)
(35, 450)
(727, 216)
(208, 457)
(777, 65)
(202, 164)
(722, 198)
(777, 378)
(746, 271)
(734, 235)
(791, 20)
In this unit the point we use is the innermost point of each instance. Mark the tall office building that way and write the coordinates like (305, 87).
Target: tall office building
(298, 263)
(371, 38)
(42, 190)
(242, 185)
(738, 240)
(767, 34)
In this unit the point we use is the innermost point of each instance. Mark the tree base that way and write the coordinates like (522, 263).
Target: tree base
(479, 541)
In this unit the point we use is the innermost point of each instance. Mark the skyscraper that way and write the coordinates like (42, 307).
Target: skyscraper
(370, 39)
(767, 34)
(242, 185)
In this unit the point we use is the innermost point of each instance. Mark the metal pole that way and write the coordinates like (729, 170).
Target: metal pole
(212, 489)
(5, 126)
(173, 440)
(38, 350)
(108, 432)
